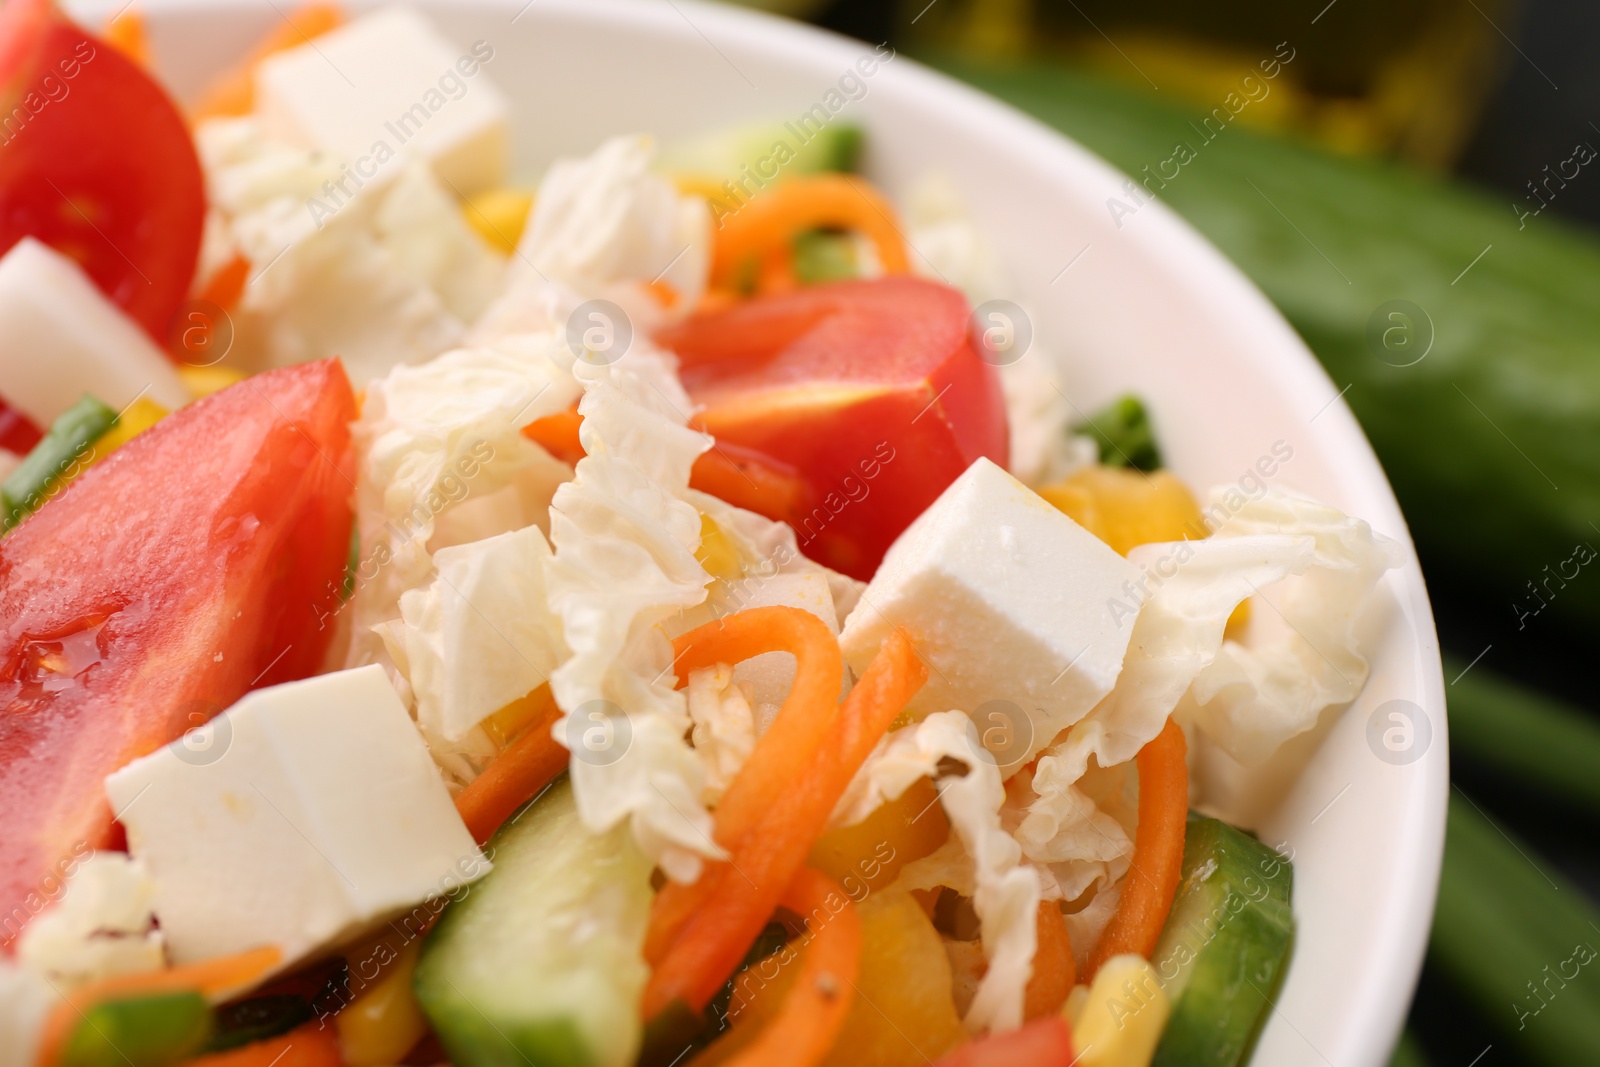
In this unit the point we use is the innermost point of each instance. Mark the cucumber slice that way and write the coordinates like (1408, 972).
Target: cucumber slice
(55, 460)
(822, 256)
(150, 1031)
(735, 154)
(1225, 945)
(542, 961)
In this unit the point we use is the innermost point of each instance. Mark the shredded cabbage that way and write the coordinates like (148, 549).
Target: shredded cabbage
(980, 860)
(1253, 699)
(480, 636)
(624, 563)
(724, 731)
(386, 276)
(607, 227)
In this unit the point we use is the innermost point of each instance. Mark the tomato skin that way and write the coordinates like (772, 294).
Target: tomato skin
(18, 434)
(1044, 1042)
(97, 162)
(197, 561)
(870, 391)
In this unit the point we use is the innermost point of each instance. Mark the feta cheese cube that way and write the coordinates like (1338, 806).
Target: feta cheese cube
(61, 338)
(301, 817)
(1006, 599)
(387, 86)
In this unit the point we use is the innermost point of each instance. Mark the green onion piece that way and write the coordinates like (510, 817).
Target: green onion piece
(150, 1031)
(58, 458)
(1125, 435)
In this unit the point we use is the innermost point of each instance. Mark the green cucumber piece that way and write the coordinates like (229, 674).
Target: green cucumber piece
(54, 460)
(1224, 947)
(752, 154)
(824, 256)
(542, 961)
(150, 1031)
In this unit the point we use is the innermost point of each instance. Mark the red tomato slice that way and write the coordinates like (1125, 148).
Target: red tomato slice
(869, 392)
(18, 434)
(196, 562)
(1044, 1042)
(95, 161)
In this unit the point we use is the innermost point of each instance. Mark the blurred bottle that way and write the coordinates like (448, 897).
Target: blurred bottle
(1403, 78)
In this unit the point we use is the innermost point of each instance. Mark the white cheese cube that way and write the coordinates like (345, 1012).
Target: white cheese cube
(387, 86)
(60, 338)
(1007, 599)
(301, 817)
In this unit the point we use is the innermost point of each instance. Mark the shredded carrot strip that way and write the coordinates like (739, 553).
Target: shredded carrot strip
(744, 891)
(771, 220)
(234, 93)
(1152, 879)
(214, 979)
(558, 435)
(783, 751)
(226, 286)
(814, 1011)
(515, 776)
(126, 33)
(1054, 971)
(313, 1045)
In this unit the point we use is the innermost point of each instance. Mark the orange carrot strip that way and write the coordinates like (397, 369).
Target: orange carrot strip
(515, 776)
(558, 435)
(814, 1011)
(716, 935)
(234, 92)
(313, 1045)
(1054, 971)
(226, 286)
(126, 33)
(781, 754)
(771, 221)
(214, 979)
(1152, 879)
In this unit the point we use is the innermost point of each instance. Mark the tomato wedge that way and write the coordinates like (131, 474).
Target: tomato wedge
(95, 161)
(861, 401)
(194, 563)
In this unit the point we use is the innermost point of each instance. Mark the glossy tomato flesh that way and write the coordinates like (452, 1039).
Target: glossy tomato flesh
(199, 560)
(843, 410)
(96, 162)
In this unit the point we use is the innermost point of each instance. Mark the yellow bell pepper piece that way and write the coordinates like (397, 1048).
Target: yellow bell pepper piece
(1125, 508)
(866, 857)
(203, 381)
(136, 419)
(498, 216)
(1119, 1021)
(507, 724)
(385, 1022)
(716, 552)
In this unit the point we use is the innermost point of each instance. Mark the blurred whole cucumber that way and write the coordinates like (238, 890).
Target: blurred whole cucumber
(1492, 438)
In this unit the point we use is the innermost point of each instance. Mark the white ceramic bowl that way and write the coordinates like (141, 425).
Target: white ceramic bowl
(1150, 307)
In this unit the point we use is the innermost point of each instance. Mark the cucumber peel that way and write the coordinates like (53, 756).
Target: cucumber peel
(1225, 946)
(542, 960)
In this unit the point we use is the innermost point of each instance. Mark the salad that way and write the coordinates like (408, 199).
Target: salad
(666, 612)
